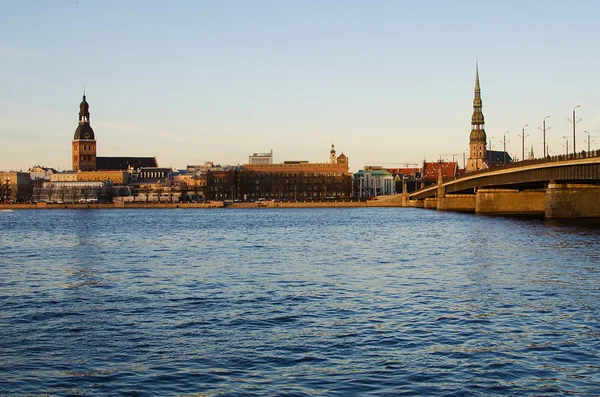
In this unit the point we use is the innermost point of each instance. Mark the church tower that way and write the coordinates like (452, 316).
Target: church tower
(478, 139)
(332, 158)
(84, 141)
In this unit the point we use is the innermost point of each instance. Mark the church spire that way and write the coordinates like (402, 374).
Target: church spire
(478, 138)
(477, 88)
(477, 121)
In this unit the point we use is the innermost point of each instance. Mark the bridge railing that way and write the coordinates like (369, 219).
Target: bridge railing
(548, 159)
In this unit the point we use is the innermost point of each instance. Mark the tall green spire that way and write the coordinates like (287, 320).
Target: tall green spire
(477, 88)
(477, 120)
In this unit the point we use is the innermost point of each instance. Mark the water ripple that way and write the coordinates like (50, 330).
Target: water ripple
(326, 302)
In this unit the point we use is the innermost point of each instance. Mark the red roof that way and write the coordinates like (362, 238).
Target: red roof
(449, 170)
(403, 171)
(342, 156)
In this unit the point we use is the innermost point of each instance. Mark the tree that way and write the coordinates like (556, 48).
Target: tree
(183, 191)
(49, 190)
(74, 193)
(62, 192)
(85, 192)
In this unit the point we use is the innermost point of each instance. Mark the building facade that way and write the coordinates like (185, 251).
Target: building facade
(294, 181)
(374, 181)
(113, 177)
(84, 141)
(15, 186)
(261, 158)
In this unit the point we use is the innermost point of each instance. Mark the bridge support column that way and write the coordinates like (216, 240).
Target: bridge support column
(457, 202)
(566, 200)
(404, 199)
(510, 202)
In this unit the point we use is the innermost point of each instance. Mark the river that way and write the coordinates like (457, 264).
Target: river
(297, 302)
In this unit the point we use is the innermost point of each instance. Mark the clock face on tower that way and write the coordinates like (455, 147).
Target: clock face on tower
(86, 135)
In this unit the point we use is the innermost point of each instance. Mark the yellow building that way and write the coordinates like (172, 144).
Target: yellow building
(116, 177)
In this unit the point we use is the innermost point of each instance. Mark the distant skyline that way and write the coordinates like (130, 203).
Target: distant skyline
(388, 82)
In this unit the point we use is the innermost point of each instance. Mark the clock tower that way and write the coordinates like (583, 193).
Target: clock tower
(84, 141)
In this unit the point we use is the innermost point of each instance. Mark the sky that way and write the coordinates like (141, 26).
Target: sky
(388, 82)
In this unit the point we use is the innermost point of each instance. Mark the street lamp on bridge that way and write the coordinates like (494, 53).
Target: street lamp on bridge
(523, 143)
(589, 140)
(566, 144)
(574, 121)
(505, 146)
(544, 130)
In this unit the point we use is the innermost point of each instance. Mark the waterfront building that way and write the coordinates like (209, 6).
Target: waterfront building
(65, 176)
(407, 179)
(114, 177)
(374, 181)
(72, 191)
(41, 173)
(221, 184)
(261, 158)
(84, 149)
(294, 180)
(15, 186)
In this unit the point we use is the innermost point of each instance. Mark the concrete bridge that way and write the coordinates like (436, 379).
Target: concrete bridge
(555, 187)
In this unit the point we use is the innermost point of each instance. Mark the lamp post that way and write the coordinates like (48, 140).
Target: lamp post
(566, 145)
(505, 146)
(523, 143)
(574, 122)
(589, 139)
(544, 130)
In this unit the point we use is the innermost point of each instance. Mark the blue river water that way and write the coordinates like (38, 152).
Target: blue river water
(297, 302)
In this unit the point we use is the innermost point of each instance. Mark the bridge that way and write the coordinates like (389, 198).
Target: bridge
(565, 186)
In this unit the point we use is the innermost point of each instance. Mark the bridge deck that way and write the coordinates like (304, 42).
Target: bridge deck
(583, 167)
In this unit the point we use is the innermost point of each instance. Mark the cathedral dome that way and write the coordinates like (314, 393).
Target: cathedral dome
(84, 131)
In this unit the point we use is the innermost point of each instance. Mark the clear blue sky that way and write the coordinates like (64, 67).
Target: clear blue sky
(389, 82)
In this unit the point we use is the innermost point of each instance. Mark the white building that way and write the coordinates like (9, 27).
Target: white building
(261, 158)
(373, 182)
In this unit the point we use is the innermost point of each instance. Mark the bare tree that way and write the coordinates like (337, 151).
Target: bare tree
(62, 192)
(49, 189)
(183, 191)
(74, 192)
(85, 192)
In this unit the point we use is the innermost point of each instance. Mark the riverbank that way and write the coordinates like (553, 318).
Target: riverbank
(382, 201)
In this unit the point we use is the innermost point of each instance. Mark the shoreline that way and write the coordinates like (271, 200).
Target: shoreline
(389, 202)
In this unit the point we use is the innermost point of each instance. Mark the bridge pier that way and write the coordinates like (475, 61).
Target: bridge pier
(567, 200)
(511, 202)
(430, 203)
(457, 202)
